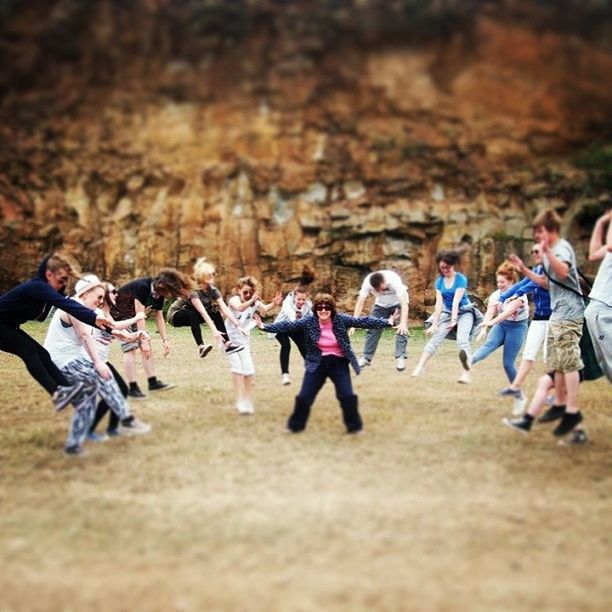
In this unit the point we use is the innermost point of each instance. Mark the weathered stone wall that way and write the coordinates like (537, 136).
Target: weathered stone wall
(264, 135)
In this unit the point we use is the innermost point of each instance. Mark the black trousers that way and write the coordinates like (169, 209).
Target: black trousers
(103, 407)
(284, 341)
(337, 370)
(36, 358)
(188, 317)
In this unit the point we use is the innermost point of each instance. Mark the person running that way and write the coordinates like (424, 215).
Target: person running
(135, 297)
(244, 305)
(32, 301)
(390, 294)
(536, 333)
(598, 313)
(205, 304)
(453, 309)
(73, 350)
(567, 316)
(328, 354)
(103, 339)
(507, 322)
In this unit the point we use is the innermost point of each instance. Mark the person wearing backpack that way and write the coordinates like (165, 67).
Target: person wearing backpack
(567, 315)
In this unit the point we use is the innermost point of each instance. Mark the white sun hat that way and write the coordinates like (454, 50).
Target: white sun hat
(87, 282)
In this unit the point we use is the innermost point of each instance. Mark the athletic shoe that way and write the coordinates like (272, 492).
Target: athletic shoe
(465, 378)
(135, 427)
(74, 451)
(204, 349)
(363, 362)
(64, 394)
(113, 433)
(230, 349)
(554, 413)
(578, 436)
(245, 407)
(136, 394)
(523, 425)
(95, 437)
(158, 385)
(400, 364)
(285, 380)
(465, 360)
(568, 422)
(510, 392)
(518, 406)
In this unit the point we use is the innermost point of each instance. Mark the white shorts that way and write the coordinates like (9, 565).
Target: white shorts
(242, 362)
(536, 337)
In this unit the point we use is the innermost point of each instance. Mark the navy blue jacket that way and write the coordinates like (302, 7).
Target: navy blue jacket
(341, 323)
(541, 297)
(32, 301)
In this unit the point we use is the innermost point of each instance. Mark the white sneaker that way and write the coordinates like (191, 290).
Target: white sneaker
(465, 378)
(363, 362)
(285, 380)
(245, 407)
(135, 427)
(518, 407)
(400, 364)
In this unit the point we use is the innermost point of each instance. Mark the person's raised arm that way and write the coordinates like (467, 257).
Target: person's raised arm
(539, 279)
(600, 243)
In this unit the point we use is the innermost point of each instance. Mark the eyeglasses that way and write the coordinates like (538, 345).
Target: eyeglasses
(113, 291)
(320, 307)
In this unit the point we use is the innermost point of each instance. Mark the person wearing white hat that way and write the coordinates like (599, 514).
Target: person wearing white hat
(73, 350)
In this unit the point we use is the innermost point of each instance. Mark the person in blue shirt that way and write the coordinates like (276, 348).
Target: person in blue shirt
(536, 333)
(32, 301)
(452, 309)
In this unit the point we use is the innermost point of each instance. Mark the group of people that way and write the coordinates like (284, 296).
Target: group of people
(73, 367)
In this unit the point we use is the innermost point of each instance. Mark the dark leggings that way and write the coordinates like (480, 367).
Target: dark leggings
(284, 341)
(103, 407)
(189, 317)
(36, 358)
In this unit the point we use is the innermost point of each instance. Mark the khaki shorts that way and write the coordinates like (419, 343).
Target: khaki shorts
(563, 345)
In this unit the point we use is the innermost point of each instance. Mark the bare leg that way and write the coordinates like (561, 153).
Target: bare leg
(248, 388)
(521, 375)
(419, 367)
(129, 363)
(239, 386)
(149, 366)
(538, 401)
(572, 380)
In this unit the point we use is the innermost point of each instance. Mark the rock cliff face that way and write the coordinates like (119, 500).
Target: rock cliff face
(351, 135)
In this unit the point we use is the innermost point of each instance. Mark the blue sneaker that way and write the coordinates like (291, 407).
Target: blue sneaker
(510, 392)
(95, 437)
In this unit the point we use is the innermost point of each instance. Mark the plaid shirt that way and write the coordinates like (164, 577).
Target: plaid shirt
(341, 323)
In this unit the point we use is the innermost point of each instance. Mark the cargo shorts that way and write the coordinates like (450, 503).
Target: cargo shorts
(563, 342)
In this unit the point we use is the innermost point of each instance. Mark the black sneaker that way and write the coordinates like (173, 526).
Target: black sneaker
(158, 385)
(74, 451)
(578, 436)
(136, 394)
(568, 422)
(230, 349)
(64, 395)
(523, 425)
(465, 360)
(204, 349)
(554, 413)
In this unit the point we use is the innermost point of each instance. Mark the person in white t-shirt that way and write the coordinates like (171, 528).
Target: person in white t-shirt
(390, 294)
(244, 305)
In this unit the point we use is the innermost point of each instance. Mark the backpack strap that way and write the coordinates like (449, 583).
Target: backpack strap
(550, 278)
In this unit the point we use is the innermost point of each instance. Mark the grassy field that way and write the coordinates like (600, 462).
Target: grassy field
(436, 506)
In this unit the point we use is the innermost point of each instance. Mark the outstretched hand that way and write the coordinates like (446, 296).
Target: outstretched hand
(257, 320)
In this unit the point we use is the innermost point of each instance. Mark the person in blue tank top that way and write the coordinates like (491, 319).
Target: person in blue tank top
(452, 309)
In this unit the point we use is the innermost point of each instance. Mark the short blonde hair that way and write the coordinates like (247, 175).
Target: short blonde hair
(202, 269)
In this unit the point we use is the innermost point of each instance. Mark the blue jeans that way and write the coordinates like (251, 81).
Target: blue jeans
(373, 335)
(510, 335)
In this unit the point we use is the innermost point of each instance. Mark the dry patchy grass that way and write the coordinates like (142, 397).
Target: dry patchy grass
(436, 507)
